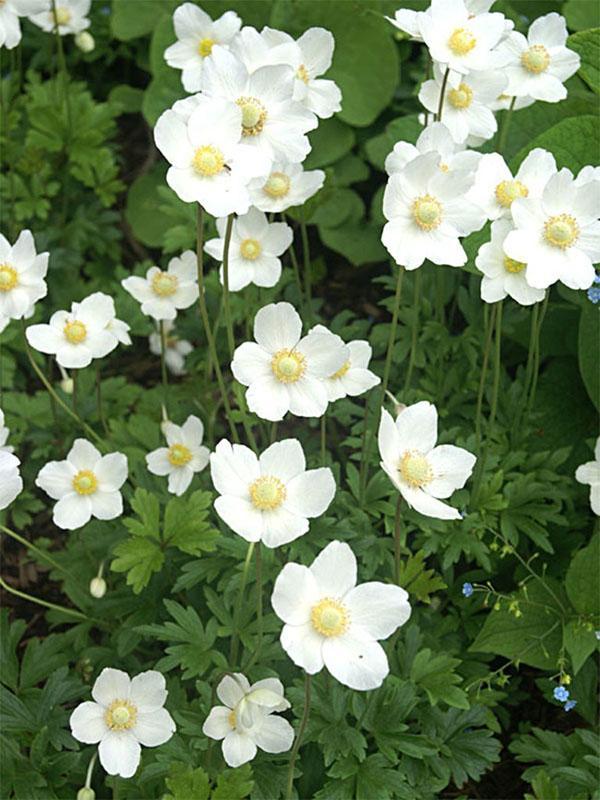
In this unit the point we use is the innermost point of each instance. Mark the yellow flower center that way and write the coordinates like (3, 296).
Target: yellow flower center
(208, 160)
(341, 371)
(561, 231)
(121, 715)
(536, 59)
(254, 115)
(8, 278)
(461, 42)
(164, 285)
(330, 617)
(75, 332)
(250, 249)
(510, 265)
(414, 469)
(288, 365)
(507, 191)
(461, 97)
(267, 493)
(427, 212)
(231, 719)
(62, 15)
(277, 185)
(85, 482)
(444, 167)
(302, 73)
(179, 455)
(205, 47)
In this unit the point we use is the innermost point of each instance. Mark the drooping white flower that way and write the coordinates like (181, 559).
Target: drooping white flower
(287, 185)
(271, 122)
(86, 484)
(197, 34)
(427, 212)
(435, 138)
(4, 432)
(246, 722)
(422, 472)
(558, 235)
(210, 165)
(163, 293)
(71, 16)
(589, 473)
(269, 498)
(124, 714)
(502, 275)
(537, 66)
(184, 456)
(283, 370)
(466, 111)
(332, 622)
(175, 351)
(495, 188)
(10, 11)
(78, 336)
(254, 251)
(11, 483)
(22, 273)
(354, 377)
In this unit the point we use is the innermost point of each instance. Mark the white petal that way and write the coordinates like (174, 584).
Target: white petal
(233, 468)
(232, 688)
(277, 327)
(120, 754)
(158, 461)
(87, 723)
(241, 516)
(111, 684)
(427, 505)
(311, 493)
(282, 527)
(335, 569)
(148, 690)
(83, 454)
(111, 471)
(217, 725)
(359, 664)
(378, 608)
(275, 735)
(417, 427)
(388, 439)
(238, 749)
(106, 505)
(284, 459)
(72, 511)
(251, 362)
(154, 727)
(451, 467)
(56, 479)
(270, 399)
(304, 646)
(294, 594)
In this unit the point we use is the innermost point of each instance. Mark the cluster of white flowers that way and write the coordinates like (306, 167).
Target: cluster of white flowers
(67, 16)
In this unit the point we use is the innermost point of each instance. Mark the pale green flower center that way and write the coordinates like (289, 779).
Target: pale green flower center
(330, 617)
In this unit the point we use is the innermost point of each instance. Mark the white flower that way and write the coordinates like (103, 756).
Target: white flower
(459, 40)
(254, 249)
(420, 471)
(78, 336)
(287, 185)
(184, 456)
(163, 293)
(11, 483)
(4, 435)
(86, 485)
(71, 16)
(269, 498)
(435, 138)
(209, 163)
(537, 66)
(332, 622)
(125, 714)
(407, 20)
(245, 722)
(283, 370)
(504, 102)
(586, 175)
(495, 188)
(466, 111)
(427, 212)
(10, 11)
(558, 235)
(590, 473)
(271, 122)
(176, 349)
(22, 274)
(196, 35)
(502, 275)
(354, 377)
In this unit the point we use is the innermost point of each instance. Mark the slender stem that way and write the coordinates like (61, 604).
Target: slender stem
(490, 319)
(259, 611)
(36, 550)
(226, 303)
(415, 328)
(397, 539)
(298, 739)
(235, 639)
(206, 322)
(99, 400)
(536, 362)
(362, 476)
(497, 367)
(307, 267)
(74, 394)
(505, 126)
(392, 335)
(533, 332)
(163, 363)
(440, 110)
(296, 268)
(323, 438)
(70, 611)
(90, 769)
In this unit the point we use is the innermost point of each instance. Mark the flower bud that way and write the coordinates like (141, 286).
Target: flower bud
(85, 42)
(97, 587)
(85, 793)
(67, 385)
(398, 406)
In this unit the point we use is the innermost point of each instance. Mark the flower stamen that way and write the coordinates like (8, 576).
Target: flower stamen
(288, 366)
(461, 97)
(75, 332)
(9, 278)
(510, 265)
(254, 115)
(561, 231)
(250, 249)
(329, 617)
(277, 185)
(208, 160)
(85, 482)
(427, 212)
(536, 59)
(267, 493)
(164, 284)
(461, 42)
(205, 47)
(121, 715)
(508, 191)
(179, 455)
(414, 469)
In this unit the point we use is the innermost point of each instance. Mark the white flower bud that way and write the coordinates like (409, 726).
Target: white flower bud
(67, 385)
(85, 42)
(85, 793)
(398, 406)
(97, 587)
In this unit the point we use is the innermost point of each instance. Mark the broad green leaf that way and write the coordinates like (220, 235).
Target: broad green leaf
(402, 129)
(572, 141)
(587, 44)
(434, 672)
(142, 208)
(419, 581)
(330, 142)
(359, 242)
(139, 558)
(233, 784)
(581, 14)
(589, 336)
(184, 782)
(128, 97)
(583, 578)
(580, 642)
(131, 20)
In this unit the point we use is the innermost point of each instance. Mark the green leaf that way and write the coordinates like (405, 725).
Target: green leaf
(330, 142)
(417, 580)
(581, 14)
(186, 524)
(589, 336)
(184, 783)
(402, 129)
(142, 208)
(131, 20)
(359, 243)
(435, 674)
(139, 558)
(128, 97)
(580, 642)
(583, 579)
(587, 44)
(233, 784)
(570, 141)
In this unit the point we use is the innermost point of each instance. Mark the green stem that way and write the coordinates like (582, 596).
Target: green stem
(536, 362)
(415, 328)
(235, 639)
(362, 477)
(307, 267)
(299, 736)
(90, 769)
(226, 303)
(296, 268)
(99, 400)
(163, 364)
(489, 327)
(75, 394)
(533, 331)
(398, 544)
(259, 611)
(438, 116)
(40, 553)
(70, 611)
(323, 438)
(505, 126)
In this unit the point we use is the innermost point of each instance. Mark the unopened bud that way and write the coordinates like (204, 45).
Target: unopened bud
(67, 385)
(85, 793)
(85, 42)
(98, 587)
(398, 406)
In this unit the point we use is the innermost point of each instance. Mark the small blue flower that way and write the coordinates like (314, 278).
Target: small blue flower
(570, 704)
(467, 589)
(561, 694)
(596, 278)
(593, 294)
